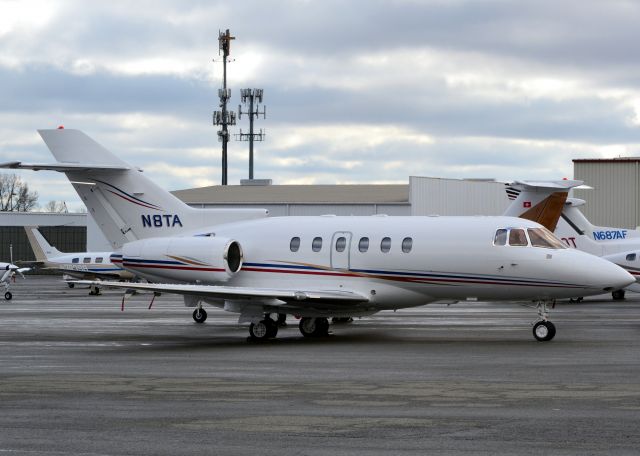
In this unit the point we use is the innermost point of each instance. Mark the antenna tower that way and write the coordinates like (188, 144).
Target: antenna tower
(251, 99)
(224, 117)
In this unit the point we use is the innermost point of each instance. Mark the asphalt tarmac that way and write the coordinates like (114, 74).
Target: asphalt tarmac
(80, 377)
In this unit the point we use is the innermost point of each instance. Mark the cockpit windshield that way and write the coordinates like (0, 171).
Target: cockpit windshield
(542, 237)
(519, 237)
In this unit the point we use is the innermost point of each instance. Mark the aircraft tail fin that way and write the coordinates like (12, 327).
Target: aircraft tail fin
(539, 201)
(75, 147)
(41, 248)
(125, 204)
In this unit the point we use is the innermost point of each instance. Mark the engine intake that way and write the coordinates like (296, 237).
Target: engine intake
(205, 259)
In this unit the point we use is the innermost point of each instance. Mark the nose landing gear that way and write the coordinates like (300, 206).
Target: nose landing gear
(543, 329)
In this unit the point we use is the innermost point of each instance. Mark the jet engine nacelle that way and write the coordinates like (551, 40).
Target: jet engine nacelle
(203, 259)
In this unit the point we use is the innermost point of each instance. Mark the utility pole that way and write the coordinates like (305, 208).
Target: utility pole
(252, 98)
(224, 117)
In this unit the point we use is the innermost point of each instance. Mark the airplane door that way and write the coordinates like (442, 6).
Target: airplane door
(340, 250)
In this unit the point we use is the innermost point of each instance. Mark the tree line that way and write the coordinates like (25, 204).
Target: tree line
(15, 196)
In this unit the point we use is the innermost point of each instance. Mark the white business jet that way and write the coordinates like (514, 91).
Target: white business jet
(317, 267)
(83, 265)
(618, 245)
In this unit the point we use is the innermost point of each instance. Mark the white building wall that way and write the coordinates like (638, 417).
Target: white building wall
(432, 195)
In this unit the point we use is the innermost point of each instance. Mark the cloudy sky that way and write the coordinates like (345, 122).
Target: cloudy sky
(359, 91)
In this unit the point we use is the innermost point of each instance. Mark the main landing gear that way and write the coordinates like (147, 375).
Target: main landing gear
(8, 296)
(314, 327)
(543, 329)
(264, 329)
(267, 328)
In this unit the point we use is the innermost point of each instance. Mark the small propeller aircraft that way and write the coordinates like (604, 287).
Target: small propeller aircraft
(83, 265)
(8, 271)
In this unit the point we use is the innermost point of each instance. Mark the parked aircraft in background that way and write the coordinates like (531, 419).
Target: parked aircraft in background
(8, 271)
(618, 245)
(82, 265)
(317, 267)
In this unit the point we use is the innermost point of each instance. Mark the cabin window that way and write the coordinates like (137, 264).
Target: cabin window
(363, 245)
(631, 257)
(316, 244)
(517, 238)
(541, 237)
(294, 245)
(86, 260)
(99, 260)
(341, 244)
(501, 237)
(76, 260)
(407, 244)
(385, 244)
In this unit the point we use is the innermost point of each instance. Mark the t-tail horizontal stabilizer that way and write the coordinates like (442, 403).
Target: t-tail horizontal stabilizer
(539, 201)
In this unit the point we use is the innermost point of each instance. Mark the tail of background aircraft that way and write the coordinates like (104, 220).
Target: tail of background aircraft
(539, 201)
(41, 248)
(125, 204)
(569, 224)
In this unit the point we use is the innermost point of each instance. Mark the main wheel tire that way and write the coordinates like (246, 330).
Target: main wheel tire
(8, 296)
(199, 315)
(272, 328)
(259, 331)
(307, 326)
(618, 295)
(314, 327)
(544, 331)
(322, 327)
(71, 285)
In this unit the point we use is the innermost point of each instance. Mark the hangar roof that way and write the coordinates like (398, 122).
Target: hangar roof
(607, 160)
(310, 194)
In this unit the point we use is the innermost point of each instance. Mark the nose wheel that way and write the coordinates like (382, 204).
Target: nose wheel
(544, 331)
(8, 296)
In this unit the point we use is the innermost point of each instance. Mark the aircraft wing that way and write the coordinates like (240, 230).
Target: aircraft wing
(62, 167)
(224, 292)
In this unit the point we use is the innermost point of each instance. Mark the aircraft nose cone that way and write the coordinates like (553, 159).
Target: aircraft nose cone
(614, 277)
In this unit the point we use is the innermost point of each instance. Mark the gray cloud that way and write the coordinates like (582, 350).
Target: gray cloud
(353, 89)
